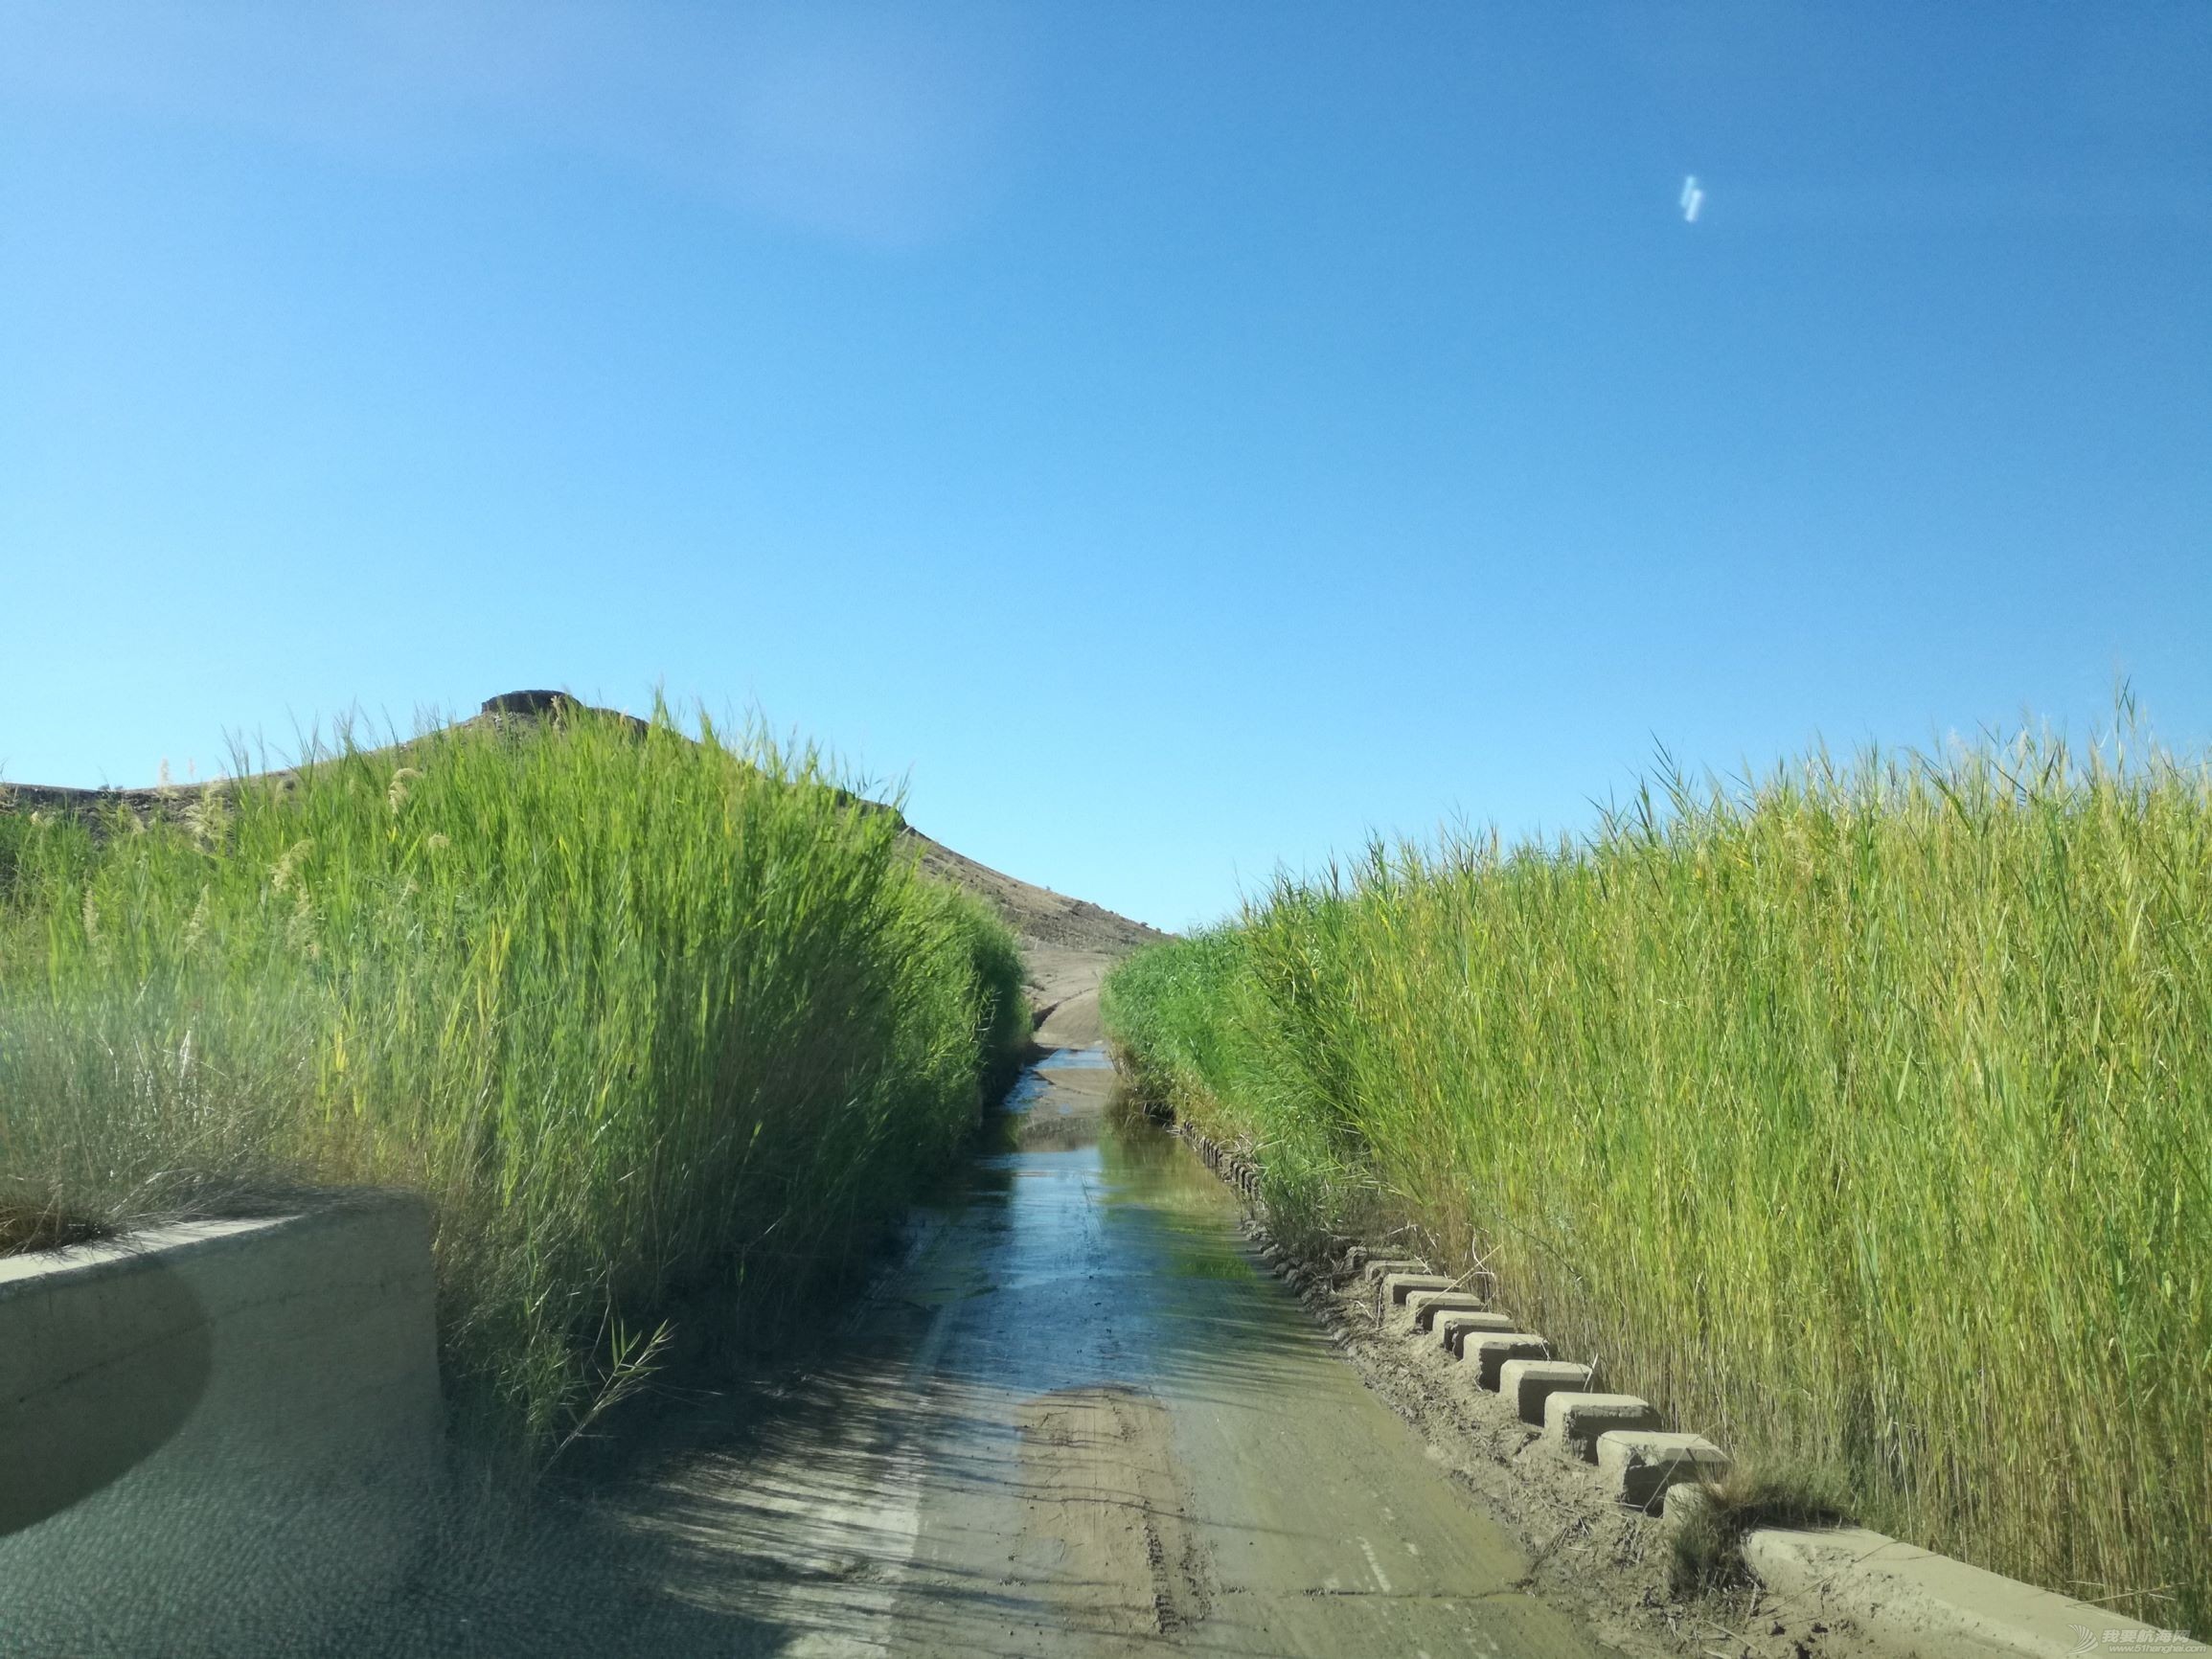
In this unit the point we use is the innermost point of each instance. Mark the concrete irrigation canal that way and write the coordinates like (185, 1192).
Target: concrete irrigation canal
(1072, 1411)
(1080, 1420)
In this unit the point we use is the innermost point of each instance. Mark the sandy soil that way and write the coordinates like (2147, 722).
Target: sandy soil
(1063, 984)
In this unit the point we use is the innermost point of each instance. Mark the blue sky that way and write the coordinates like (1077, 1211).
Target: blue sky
(1175, 438)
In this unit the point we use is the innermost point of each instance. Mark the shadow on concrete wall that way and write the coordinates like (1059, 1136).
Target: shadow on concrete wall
(128, 1367)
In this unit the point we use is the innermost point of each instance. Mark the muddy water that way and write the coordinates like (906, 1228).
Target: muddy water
(1090, 1424)
(1078, 1419)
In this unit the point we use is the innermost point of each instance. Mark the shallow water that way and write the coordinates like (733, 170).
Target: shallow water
(1082, 1419)
(1087, 1059)
(1077, 1418)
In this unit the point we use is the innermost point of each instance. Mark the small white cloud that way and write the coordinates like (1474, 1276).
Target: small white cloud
(1693, 198)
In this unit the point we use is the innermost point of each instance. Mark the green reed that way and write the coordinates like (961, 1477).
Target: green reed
(1862, 1117)
(648, 1018)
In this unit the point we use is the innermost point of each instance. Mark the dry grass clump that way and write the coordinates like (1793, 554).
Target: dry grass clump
(649, 1018)
(27, 1225)
(1861, 1116)
(1706, 1551)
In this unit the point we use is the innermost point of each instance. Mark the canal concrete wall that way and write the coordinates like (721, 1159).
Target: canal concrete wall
(216, 1432)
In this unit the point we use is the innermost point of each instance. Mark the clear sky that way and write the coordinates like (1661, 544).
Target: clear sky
(1177, 438)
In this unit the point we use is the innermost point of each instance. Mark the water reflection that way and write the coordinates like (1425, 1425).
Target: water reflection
(1081, 1247)
(1086, 1060)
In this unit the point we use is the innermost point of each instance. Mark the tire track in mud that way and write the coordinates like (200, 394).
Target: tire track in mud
(1107, 1519)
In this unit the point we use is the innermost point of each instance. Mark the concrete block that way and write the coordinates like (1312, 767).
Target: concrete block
(1638, 1467)
(1398, 1286)
(231, 1428)
(1683, 1503)
(1452, 1328)
(1573, 1422)
(1529, 1382)
(1426, 1305)
(1376, 1267)
(1913, 1601)
(1489, 1351)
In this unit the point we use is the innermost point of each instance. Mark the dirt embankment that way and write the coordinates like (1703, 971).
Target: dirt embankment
(1068, 943)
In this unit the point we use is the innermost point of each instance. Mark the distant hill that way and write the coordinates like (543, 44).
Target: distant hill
(1047, 922)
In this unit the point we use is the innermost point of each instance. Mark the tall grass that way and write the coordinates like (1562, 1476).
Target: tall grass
(645, 1016)
(1862, 1117)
